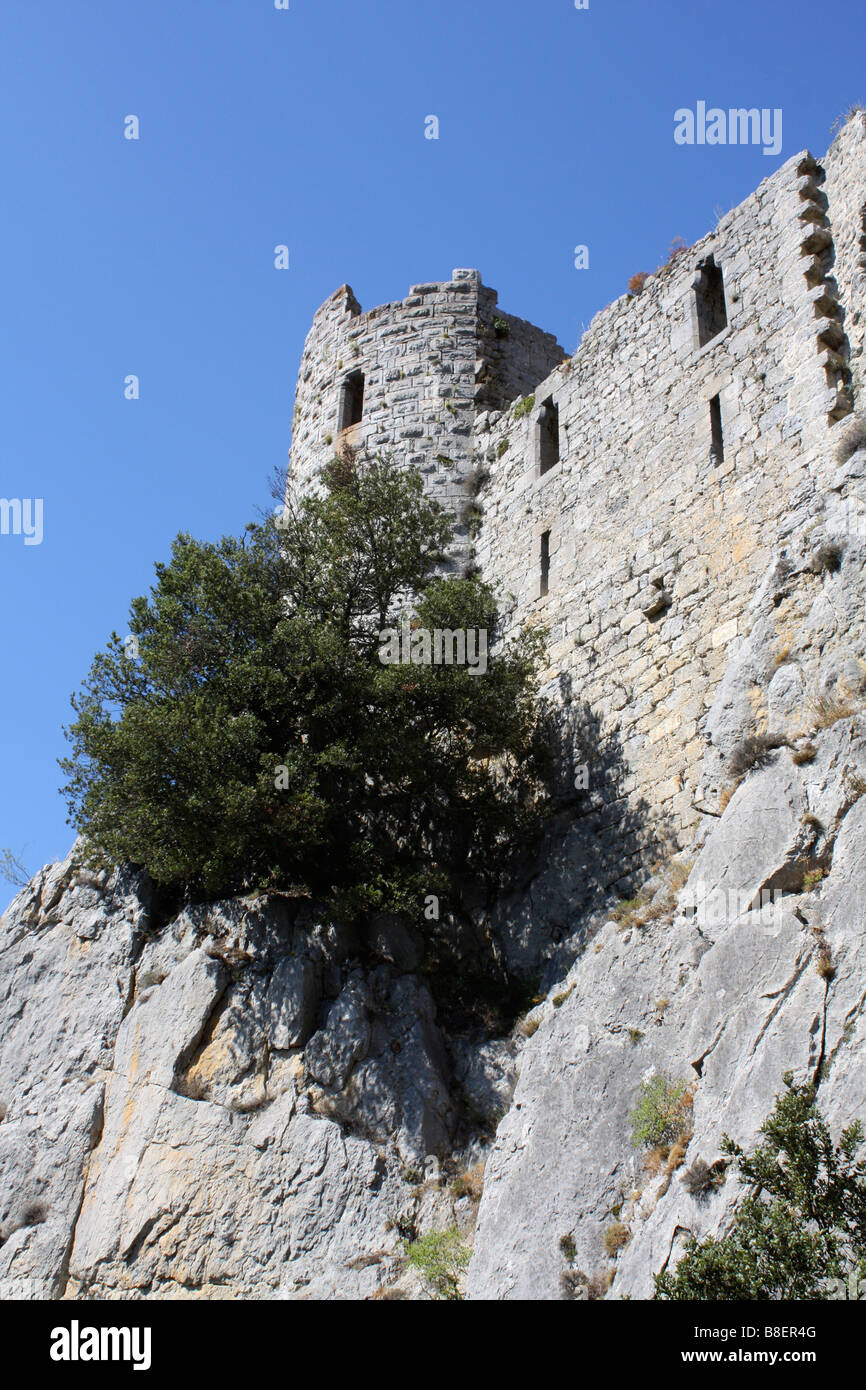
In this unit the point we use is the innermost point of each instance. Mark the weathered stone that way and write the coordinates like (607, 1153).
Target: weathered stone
(486, 1074)
(292, 1001)
(332, 1052)
(727, 1007)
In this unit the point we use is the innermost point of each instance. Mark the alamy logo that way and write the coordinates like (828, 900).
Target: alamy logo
(720, 907)
(22, 516)
(76, 1343)
(419, 646)
(737, 126)
(847, 517)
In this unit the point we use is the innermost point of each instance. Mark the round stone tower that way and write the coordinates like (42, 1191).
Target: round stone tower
(407, 380)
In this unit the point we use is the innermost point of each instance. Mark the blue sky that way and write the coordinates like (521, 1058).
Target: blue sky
(305, 127)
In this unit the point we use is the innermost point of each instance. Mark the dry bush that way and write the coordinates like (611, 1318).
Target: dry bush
(678, 1152)
(702, 1178)
(753, 752)
(637, 282)
(828, 557)
(678, 874)
(655, 1159)
(599, 1283)
(628, 911)
(616, 1237)
(829, 709)
(853, 439)
(856, 109)
(646, 907)
(575, 1282)
(470, 1183)
(824, 961)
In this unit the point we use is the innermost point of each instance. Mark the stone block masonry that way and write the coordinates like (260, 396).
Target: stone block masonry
(629, 497)
(682, 465)
(846, 195)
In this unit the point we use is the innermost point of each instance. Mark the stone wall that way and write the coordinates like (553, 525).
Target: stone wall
(656, 536)
(845, 188)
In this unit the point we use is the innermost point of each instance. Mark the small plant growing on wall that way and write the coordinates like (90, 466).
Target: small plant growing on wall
(846, 116)
(616, 1237)
(661, 1114)
(853, 439)
(440, 1257)
(568, 1248)
(753, 752)
(828, 557)
(676, 248)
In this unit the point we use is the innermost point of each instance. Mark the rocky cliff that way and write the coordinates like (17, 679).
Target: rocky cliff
(249, 1101)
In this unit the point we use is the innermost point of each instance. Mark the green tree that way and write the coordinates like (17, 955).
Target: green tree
(803, 1223)
(247, 735)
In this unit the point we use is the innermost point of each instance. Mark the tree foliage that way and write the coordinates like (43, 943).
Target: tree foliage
(256, 740)
(803, 1223)
(440, 1257)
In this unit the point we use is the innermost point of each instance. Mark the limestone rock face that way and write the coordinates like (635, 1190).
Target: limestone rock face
(725, 997)
(65, 985)
(240, 1103)
(251, 1100)
(166, 1133)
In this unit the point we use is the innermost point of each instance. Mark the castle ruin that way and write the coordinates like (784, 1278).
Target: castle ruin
(631, 496)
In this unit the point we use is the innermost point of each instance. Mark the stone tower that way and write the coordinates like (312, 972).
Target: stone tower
(411, 378)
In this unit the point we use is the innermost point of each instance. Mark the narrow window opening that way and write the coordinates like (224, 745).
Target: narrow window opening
(717, 441)
(544, 578)
(710, 300)
(351, 401)
(548, 436)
